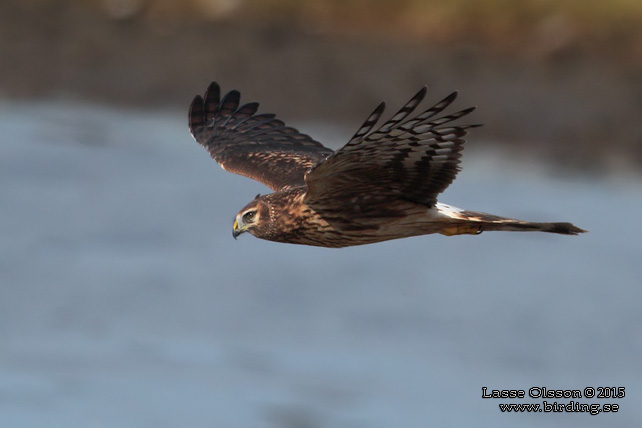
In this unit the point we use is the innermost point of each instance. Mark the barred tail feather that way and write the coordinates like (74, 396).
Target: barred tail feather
(472, 222)
(528, 226)
(493, 222)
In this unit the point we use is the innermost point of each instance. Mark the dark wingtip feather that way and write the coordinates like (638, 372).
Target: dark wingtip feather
(422, 93)
(380, 108)
(213, 87)
(229, 103)
(196, 115)
(370, 122)
(415, 101)
(246, 110)
(450, 118)
(434, 110)
(451, 97)
(212, 100)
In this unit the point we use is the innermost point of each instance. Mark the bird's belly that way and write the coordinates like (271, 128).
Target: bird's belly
(416, 219)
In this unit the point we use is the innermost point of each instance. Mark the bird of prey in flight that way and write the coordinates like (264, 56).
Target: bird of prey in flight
(383, 184)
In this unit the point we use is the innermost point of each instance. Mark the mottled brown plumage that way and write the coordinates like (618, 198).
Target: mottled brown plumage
(383, 184)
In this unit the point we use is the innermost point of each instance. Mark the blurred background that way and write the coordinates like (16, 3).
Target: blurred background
(125, 302)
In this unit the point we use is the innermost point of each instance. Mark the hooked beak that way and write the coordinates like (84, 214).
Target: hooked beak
(236, 231)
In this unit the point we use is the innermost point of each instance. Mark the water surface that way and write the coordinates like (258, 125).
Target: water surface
(124, 300)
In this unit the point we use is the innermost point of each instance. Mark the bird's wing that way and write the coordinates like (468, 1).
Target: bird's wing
(410, 157)
(258, 146)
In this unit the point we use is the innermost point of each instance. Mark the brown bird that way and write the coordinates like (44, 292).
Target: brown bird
(383, 184)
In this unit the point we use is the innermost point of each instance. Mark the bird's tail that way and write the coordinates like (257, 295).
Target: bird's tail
(473, 222)
(562, 228)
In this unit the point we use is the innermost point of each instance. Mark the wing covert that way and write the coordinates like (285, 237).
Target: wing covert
(258, 146)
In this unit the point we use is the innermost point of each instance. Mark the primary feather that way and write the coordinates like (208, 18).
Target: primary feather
(259, 146)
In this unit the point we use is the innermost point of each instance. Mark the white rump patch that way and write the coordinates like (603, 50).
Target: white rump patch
(447, 210)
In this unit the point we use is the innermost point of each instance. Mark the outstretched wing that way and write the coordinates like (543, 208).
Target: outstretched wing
(258, 146)
(412, 158)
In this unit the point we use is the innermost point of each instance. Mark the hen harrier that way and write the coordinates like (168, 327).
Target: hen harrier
(382, 185)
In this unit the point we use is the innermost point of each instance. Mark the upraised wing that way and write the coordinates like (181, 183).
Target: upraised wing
(412, 158)
(258, 146)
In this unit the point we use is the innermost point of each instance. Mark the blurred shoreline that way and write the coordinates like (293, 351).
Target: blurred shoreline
(555, 98)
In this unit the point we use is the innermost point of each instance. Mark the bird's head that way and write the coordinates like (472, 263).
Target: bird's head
(253, 218)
